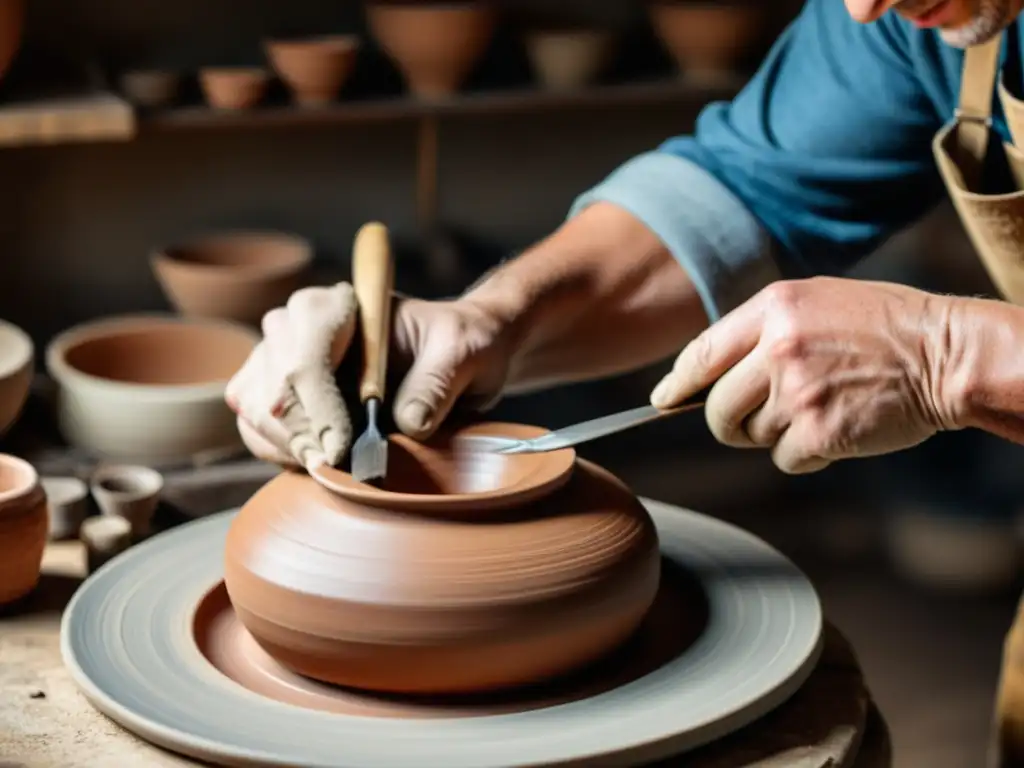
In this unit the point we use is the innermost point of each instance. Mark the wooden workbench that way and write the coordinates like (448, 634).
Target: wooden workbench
(46, 723)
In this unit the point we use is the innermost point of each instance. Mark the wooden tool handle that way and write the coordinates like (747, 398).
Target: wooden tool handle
(373, 276)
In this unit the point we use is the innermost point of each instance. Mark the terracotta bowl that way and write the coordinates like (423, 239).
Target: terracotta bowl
(554, 568)
(709, 37)
(314, 69)
(564, 59)
(12, 22)
(151, 87)
(435, 46)
(232, 275)
(148, 388)
(17, 364)
(23, 528)
(234, 87)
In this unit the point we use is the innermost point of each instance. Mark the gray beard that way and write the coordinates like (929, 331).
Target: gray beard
(993, 17)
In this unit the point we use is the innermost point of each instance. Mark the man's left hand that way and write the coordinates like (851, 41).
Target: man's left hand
(821, 369)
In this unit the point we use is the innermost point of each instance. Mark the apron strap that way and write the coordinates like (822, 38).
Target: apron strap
(974, 113)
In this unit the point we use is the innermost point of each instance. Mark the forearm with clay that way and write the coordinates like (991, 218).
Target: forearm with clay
(645, 259)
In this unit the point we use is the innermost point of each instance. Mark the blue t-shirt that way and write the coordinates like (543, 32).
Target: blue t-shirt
(821, 157)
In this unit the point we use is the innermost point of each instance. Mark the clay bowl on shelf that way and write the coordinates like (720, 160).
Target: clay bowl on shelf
(23, 528)
(148, 388)
(709, 38)
(314, 69)
(237, 275)
(17, 362)
(434, 45)
(568, 58)
(151, 88)
(234, 87)
(456, 577)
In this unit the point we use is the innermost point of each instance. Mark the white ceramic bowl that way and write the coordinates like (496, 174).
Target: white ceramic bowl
(148, 388)
(17, 360)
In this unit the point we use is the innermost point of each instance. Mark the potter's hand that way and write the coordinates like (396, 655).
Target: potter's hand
(289, 408)
(820, 370)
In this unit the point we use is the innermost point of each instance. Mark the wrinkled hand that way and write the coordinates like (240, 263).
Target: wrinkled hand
(820, 370)
(290, 409)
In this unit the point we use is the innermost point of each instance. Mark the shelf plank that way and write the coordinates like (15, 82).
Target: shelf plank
(463, 104)
(68, 119)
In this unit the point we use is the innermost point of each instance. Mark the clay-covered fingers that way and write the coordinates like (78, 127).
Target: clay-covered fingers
(322, 322)
(253, 396)
(438, 376)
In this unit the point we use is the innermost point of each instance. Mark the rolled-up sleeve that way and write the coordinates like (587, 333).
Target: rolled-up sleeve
(822, 156)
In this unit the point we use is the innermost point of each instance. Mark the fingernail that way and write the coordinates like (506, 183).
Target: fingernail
(416, 416)
(660, 395)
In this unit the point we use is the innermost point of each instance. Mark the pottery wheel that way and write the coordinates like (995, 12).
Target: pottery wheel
(153, 643)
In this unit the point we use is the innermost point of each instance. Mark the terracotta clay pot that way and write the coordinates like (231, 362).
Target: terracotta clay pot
(17, 364)
(315, 69)
(148, 388)
(709, 37)
(12, 23)
(434, 45)
(564, 59)
(23, 528)
(417, 588)
(232, 275)
(151, 87)
(234, 87)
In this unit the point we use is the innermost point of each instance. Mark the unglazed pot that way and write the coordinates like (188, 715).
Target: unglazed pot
(435, 45)
(314, 69)
(148, 388)
(234, 87)
(545, 565)
(705, 37)
(23, 528)
(235, 275)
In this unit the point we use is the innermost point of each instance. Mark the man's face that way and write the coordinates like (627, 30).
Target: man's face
(961, 23)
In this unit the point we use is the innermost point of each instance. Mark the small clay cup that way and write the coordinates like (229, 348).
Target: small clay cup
(543, 566)
(151, 88)
(128, 491)
(314, 69)
(568, 58)
(67, 504)
(105, 537)
(23, 528)
(234, 87)
(435, 46)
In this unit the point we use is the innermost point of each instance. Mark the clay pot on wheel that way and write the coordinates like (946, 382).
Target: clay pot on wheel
(23, 528)
(434, 46)
(455, 577)
(314, 69)
(709, 38)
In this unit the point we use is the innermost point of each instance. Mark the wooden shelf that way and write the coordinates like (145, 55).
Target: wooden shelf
(479, 103)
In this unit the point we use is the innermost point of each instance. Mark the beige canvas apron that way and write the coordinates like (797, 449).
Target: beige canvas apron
(994, 221)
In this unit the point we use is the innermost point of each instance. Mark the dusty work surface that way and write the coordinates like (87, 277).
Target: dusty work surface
(46, 723)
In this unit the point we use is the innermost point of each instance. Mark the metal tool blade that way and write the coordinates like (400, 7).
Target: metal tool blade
(568, 437)
(370, 452)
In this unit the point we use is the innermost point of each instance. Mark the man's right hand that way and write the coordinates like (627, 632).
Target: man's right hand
(290, 410)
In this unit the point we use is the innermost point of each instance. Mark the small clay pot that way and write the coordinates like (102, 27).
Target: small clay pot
(566, 59)
(435, 46)
(232, 275)
(67, 505)
(151, 88)
(709, 38)
(105, 537)
(393, 590)
(23, 528)
(17, 364)
(314, 69)
(128, 491)
(234, 87)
